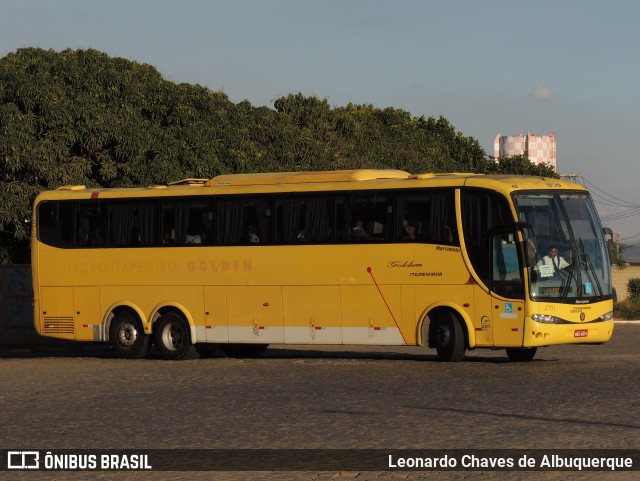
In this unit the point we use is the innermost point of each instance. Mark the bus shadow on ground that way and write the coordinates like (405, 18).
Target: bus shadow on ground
(496, 358)
(104, 351)
(64, 350)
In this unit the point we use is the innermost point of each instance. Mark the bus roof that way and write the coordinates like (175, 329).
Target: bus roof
(358, 179)
(307, 177)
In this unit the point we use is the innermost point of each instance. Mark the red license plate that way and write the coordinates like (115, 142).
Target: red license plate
(581, 333)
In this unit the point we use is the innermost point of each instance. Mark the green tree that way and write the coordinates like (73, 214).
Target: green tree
(521, 165)
(82, 117)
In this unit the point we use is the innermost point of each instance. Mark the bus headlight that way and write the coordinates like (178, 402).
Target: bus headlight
(546, 319)
(607, 317)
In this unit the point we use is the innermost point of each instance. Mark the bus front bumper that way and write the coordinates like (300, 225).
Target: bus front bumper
(541, 334)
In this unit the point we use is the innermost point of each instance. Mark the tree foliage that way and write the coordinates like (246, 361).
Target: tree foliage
(82, 117)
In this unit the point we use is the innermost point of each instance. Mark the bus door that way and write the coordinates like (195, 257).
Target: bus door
(507, 289)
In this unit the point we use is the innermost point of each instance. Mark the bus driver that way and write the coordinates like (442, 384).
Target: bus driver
(551, 264)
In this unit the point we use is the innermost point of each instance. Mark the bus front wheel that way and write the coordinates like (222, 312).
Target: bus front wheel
(173, 337)
(127, 337)
(449, 338)
(521, 354)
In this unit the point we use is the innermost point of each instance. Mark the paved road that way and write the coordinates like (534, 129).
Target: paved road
(335, 397)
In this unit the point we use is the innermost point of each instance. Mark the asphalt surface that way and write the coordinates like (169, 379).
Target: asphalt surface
(339, 397)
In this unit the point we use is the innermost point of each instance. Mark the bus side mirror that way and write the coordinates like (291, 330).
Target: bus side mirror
(612, 247)
(611, 250)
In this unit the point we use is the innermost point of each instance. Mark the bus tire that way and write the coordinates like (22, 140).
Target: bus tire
(521, 354)
(172, 335)
(127, 336)
(449, 338)
(243, 350)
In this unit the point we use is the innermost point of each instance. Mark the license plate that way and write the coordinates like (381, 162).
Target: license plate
(580, 333)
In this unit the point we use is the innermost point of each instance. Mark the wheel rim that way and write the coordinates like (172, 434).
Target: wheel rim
(127, 335)
(444, 334)
(172, 336)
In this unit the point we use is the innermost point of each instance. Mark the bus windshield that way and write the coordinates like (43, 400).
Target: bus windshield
(573, 263)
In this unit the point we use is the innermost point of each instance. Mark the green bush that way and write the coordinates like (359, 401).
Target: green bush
(633, 288)
(627, 309)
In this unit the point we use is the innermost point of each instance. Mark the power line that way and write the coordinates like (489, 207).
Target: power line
(602, 197)
(624, 202)
(621, 215)
(607, 199)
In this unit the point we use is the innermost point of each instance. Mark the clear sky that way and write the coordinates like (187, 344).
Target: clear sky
(571, 67)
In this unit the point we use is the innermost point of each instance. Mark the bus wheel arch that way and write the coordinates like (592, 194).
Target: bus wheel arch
(446, 329)
(173, 334)
(126, 333)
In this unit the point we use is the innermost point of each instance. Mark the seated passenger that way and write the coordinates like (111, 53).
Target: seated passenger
(193, 239)
(358, 232)
(169, 236)
(409, 232)
(253, 235)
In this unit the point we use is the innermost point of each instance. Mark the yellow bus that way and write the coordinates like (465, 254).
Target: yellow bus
(453, 262)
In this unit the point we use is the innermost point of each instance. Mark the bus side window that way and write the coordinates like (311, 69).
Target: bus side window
(482, 211)
(132, 223)
(341, 220)
(121, 224)
(91, 224)
(243, 220)
(207, 225)
(371, 213)
(55, 223)
(303, 220)
(427, 216)
(506, 278)
(186, 222)
(199, 224)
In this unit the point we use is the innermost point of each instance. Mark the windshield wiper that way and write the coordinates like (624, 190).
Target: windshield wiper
(566, 282)
(589, 269)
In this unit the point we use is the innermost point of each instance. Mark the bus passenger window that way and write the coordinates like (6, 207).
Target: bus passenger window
(55, 223)
(243, 221)
(481, 212)
(96, 234)
(303, 219)
(432, 215)
(370, 213)
(90, 222)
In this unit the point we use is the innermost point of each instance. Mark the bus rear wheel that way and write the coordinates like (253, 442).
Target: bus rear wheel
(127, 336)
(521, 354)
(173, 337)
(449, 338)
